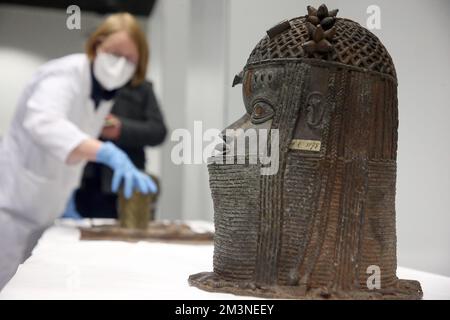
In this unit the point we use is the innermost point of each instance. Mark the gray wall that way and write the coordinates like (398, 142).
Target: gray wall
(199, 45)
(192, 51)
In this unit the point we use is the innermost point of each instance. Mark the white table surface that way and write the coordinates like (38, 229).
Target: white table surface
(63, 267)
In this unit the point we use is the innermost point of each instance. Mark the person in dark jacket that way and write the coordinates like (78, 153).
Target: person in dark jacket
(134, 123)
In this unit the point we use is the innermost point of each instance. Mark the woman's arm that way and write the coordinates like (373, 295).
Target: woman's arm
(86, 150)
(125, 173)
(46, 117)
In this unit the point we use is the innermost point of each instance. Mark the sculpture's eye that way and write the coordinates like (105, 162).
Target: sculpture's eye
(262, 111)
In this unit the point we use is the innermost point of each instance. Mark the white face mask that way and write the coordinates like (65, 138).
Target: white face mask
(112, 71)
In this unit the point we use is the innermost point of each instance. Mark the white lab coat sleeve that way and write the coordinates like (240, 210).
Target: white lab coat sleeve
(47, 115)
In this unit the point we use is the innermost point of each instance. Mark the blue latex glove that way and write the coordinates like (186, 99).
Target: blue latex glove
(71, 210)
(124, 170)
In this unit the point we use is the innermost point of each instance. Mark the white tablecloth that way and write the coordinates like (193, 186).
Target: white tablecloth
(63, 267)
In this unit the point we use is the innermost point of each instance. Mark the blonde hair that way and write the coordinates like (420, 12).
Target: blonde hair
(122, 22)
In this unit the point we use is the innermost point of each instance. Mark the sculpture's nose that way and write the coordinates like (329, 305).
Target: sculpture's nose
(229, 134)
(223, 147)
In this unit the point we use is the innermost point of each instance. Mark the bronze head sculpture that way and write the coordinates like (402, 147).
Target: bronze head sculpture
(324, 223)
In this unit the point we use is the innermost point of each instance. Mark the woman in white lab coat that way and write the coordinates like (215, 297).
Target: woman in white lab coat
(54, 132)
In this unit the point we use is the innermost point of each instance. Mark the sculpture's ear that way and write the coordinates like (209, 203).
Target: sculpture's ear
(238, 78)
